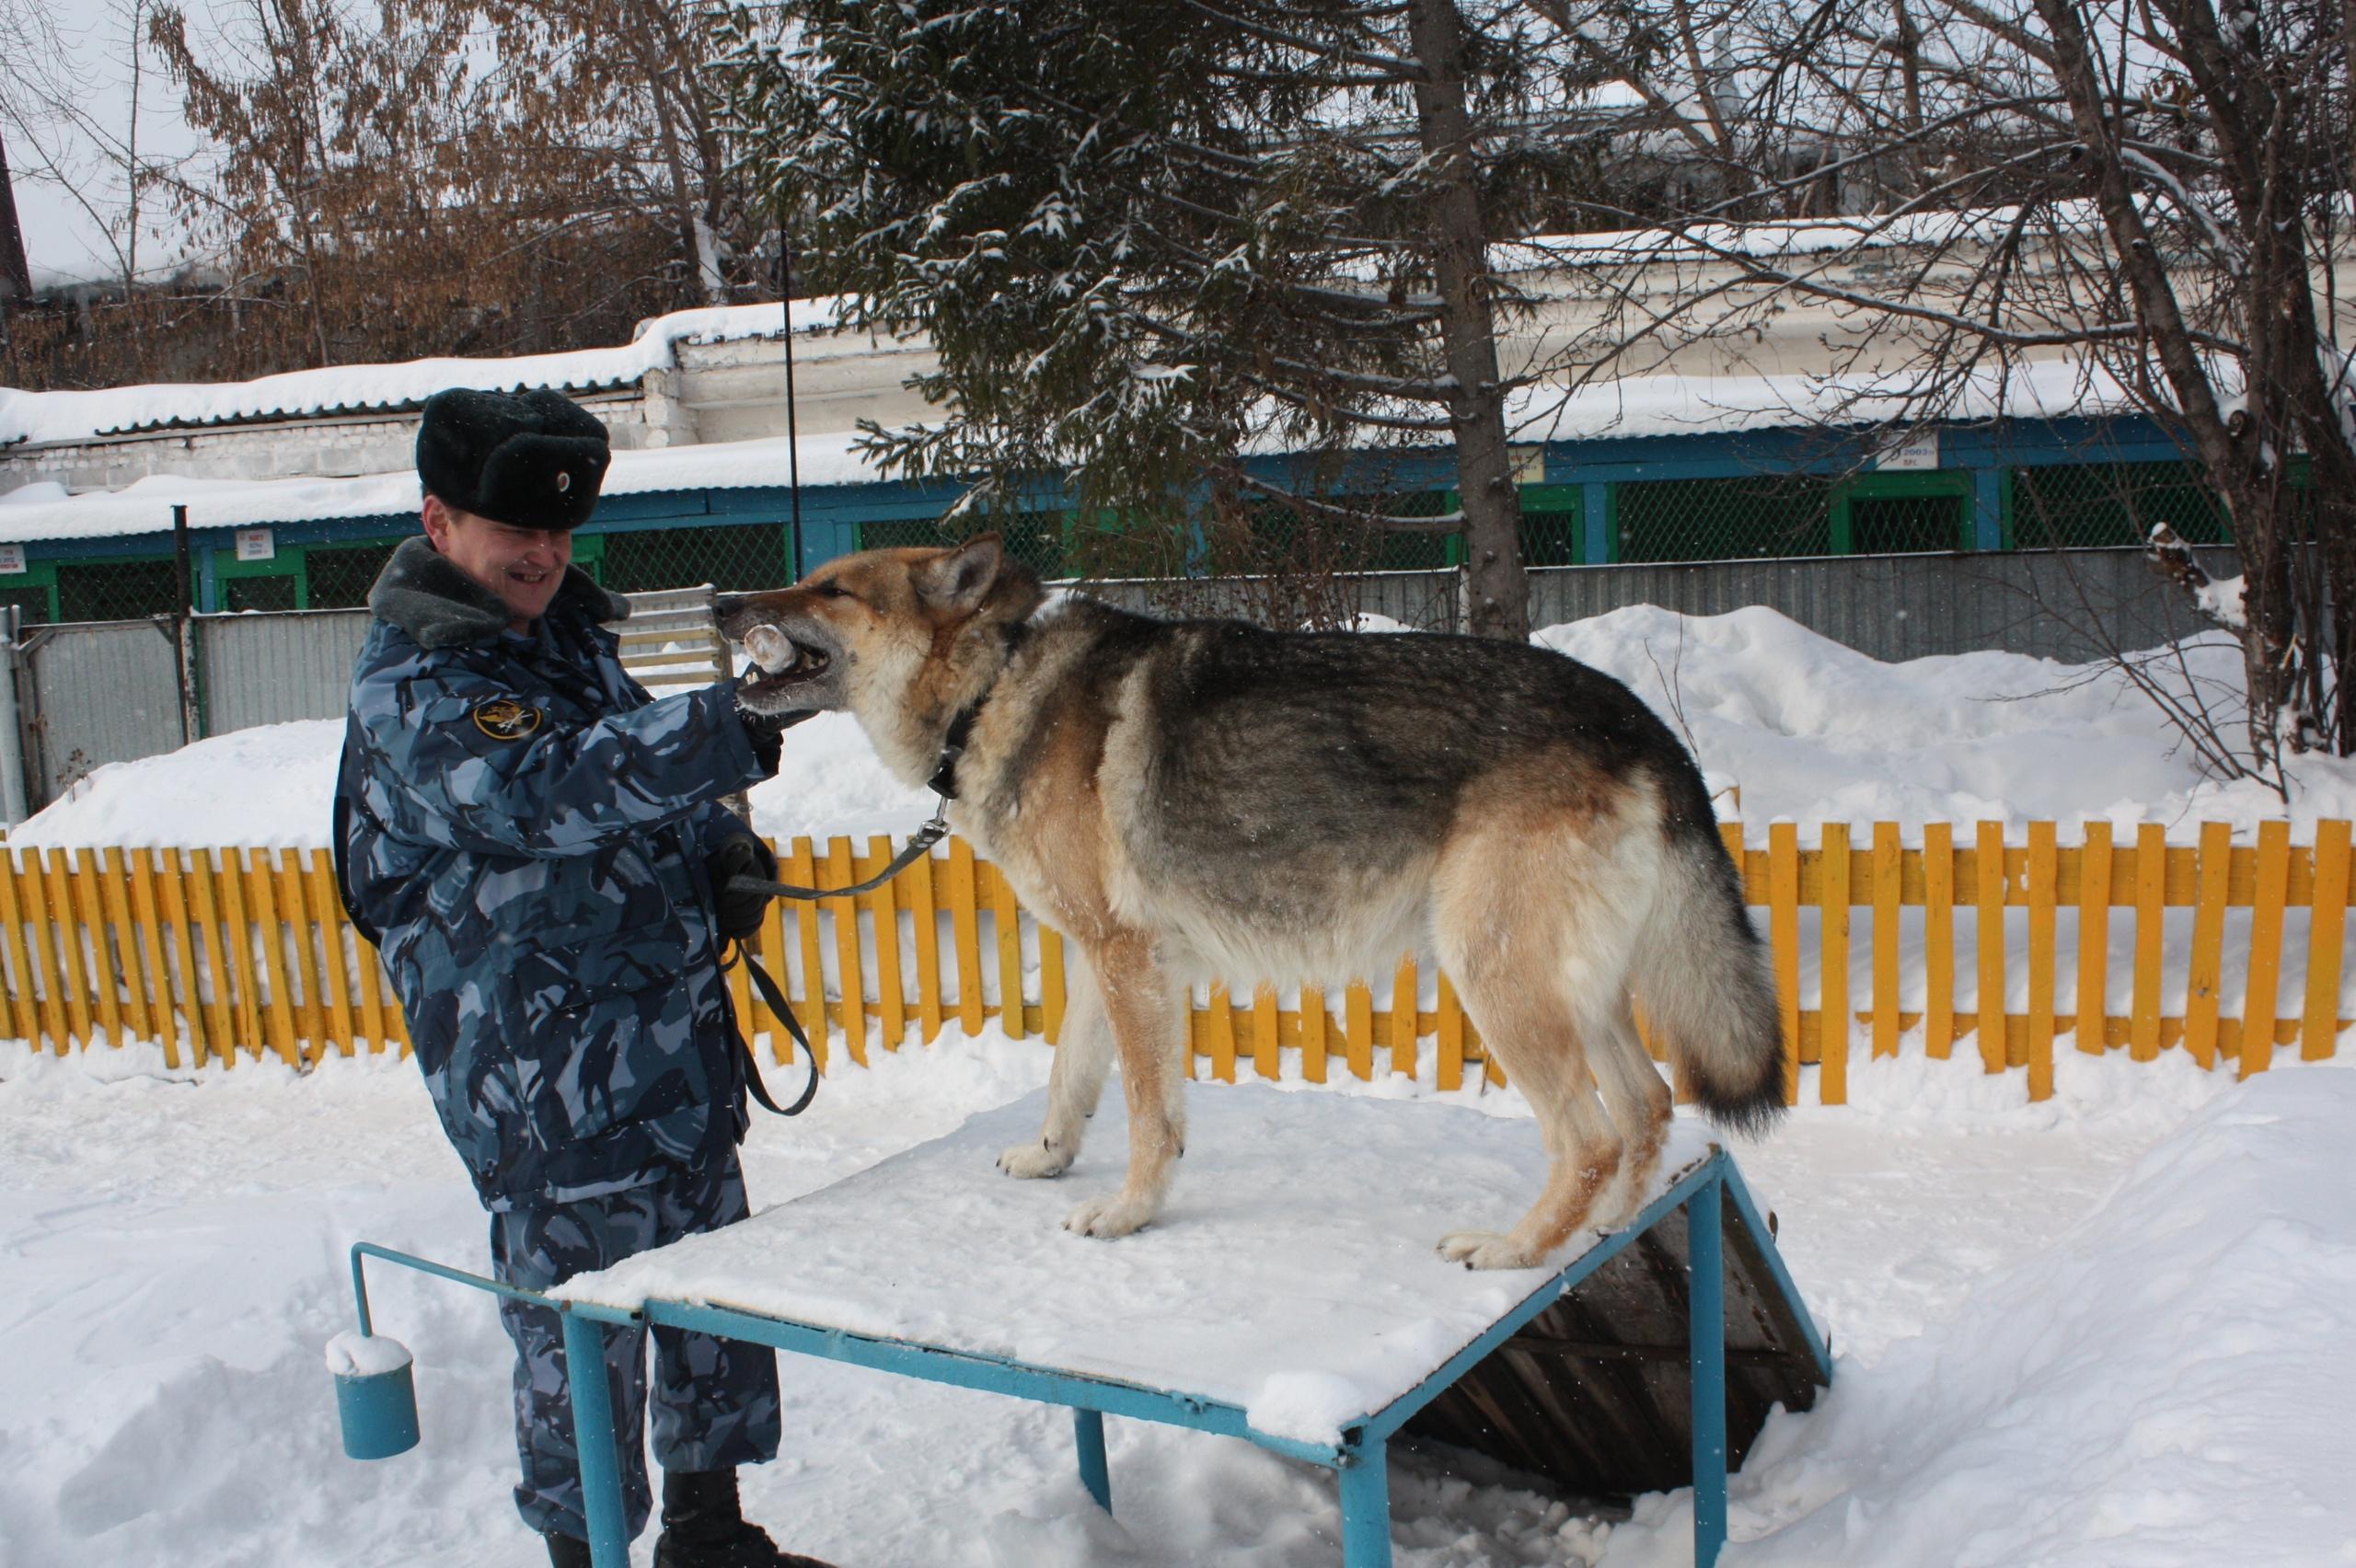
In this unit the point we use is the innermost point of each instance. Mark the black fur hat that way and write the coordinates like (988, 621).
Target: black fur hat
(533, 460)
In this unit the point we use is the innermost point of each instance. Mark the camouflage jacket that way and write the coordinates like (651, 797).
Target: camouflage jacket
(522, 830)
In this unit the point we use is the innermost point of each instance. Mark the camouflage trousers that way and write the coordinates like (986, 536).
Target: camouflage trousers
(715, 1400)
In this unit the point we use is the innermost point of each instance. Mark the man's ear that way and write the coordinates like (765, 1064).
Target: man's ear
(956, 580)
(435, 514)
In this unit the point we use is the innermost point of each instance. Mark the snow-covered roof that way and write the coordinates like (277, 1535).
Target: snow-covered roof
(1635, 406)
(1772, 240)
(44, 513)
(1717, 405)
(42, 417)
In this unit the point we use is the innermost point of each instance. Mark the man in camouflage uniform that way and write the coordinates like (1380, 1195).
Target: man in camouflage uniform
(538, 847)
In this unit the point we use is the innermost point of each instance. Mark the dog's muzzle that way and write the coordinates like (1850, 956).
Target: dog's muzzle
(794, 664)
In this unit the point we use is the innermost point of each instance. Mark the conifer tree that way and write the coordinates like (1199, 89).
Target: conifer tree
(1145, 236)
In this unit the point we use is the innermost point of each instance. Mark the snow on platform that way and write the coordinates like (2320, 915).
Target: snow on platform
(1292, 1273)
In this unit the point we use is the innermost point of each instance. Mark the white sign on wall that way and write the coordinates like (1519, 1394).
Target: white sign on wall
(12, 558)
(256, 544)
(1914, 449)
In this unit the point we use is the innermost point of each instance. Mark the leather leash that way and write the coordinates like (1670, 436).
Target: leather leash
(944, 784)
(775, 999)
(920, 844)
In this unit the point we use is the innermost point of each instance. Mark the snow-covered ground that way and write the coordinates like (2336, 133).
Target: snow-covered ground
(2115, 1328)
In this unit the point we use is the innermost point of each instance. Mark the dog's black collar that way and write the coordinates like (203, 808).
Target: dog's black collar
(944, 774)
(944, 781)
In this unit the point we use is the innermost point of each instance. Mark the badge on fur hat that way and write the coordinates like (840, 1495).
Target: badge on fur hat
(505, 718)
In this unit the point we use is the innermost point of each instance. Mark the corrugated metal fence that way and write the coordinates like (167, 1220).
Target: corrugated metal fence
(268, 669)
(229, 953)
(2074, 605)
(93, 693)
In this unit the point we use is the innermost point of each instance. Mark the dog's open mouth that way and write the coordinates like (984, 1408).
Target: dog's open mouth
(782, 662)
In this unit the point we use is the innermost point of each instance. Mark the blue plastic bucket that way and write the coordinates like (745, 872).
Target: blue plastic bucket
(379, 1408)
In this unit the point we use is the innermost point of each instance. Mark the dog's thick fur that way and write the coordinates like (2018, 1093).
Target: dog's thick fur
(1186, 800)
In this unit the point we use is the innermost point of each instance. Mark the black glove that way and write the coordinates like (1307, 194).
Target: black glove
(738, 914)
(767, 731)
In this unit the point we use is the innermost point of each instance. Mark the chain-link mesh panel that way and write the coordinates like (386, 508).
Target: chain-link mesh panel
(745, 557)
(31, 602)
(2112, 504)
(1905, 525)
(1114, 546)
(1034, 538)
(118, 590)
(259, 593)
(1410, 552)
(1764, 514)
(1349, 537)
(341, 575)
(1549, 528)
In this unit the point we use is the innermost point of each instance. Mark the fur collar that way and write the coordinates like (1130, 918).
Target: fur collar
(440, 606)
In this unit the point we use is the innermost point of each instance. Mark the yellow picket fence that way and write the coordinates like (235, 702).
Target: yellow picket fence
(226, 950)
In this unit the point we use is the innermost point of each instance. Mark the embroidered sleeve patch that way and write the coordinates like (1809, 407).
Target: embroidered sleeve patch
(505, 718)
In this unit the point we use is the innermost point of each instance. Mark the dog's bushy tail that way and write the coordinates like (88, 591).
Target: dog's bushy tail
(1702, 978)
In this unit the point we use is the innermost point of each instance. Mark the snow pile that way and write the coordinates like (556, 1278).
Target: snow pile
(2225, 600)
(2161, 1384)
(269, 787)
(1812, 731)
(354, 1354)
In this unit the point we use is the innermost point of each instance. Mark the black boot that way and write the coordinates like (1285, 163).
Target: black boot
(703, 1526)
(567, 1552)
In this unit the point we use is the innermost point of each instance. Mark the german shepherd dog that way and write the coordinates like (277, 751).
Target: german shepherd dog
(1203, 799)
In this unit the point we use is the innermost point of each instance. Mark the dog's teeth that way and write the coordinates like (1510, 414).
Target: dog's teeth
(770, 648)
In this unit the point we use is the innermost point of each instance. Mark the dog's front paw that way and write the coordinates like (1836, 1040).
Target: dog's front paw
(1484, 1250)
(1108, 1218)
(1032, 1160)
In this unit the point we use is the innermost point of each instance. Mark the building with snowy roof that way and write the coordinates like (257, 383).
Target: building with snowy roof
(1716, 448)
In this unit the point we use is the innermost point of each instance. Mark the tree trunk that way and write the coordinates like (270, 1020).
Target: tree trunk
(16, 278)
(695, 237)
(1499, 597)
(2243, 455)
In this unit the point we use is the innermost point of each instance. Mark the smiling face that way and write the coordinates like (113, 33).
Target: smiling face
(523, 566)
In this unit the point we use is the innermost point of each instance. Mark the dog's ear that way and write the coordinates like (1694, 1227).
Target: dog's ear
(957, 581)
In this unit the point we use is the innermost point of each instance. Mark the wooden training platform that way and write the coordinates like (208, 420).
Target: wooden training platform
(1310, 1318)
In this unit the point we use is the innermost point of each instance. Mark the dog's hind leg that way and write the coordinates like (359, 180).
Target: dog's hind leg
(1533, 925)
(1641, 1109)
(1145, 1009)
(1536, 1037)
(1083, 1055)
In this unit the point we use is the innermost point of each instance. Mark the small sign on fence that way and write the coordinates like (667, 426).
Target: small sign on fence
(1910, 450)
(256, 544)
(12, 558)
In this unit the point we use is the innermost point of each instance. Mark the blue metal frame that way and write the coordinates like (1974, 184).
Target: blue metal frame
(1706, 1351)
(1359, 1459)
